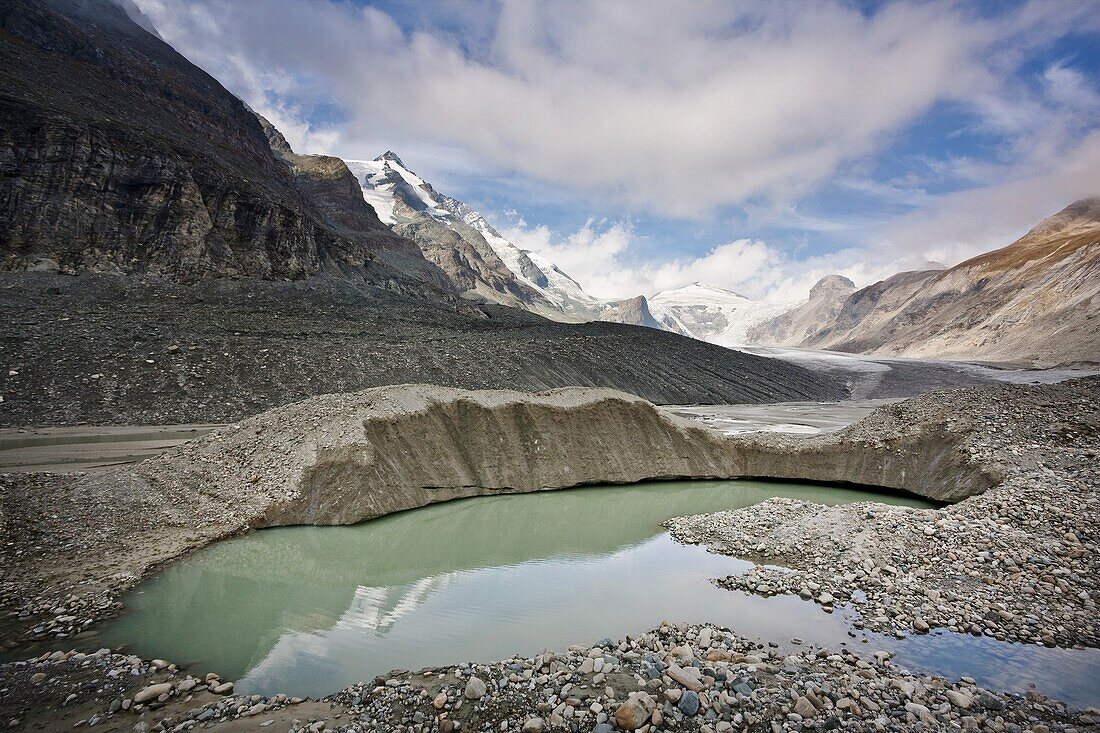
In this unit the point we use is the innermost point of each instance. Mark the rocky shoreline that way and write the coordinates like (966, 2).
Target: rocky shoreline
(1016, 562)
(675, 677)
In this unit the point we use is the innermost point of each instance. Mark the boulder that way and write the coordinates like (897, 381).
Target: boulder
(689, 677)
(475, 689)
(152, 692)
(635, 712)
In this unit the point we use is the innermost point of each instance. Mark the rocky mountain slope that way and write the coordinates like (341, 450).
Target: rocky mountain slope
(331, 187)
(218, 273)
(415, 210)
(477, 260)
(121, 156)
(826, 299)
(1038, 299)
(716, 315)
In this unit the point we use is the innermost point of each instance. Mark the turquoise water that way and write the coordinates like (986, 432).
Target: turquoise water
(309, 610)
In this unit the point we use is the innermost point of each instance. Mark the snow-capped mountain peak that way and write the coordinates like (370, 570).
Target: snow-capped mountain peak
(408, 203)
(696, 293)
(392, 157)
(386, 178)
(482, 262)
(400, 196)
(715, 314)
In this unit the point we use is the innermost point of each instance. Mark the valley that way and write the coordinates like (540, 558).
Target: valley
(293, 440)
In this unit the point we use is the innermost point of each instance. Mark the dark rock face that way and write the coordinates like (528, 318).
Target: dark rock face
(118, 155)
(470, 266)
(191, 272)
(531, 271)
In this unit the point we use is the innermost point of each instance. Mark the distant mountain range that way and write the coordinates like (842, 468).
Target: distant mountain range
(938, 311)
(805, 320)
(1036, 300)
(480, 263)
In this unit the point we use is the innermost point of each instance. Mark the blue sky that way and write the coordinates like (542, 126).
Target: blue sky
(646, 145)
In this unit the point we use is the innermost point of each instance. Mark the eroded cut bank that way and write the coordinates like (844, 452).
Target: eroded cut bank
(340, 459)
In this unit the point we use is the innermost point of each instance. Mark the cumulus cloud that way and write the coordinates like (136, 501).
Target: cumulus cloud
(601, 256)
(596, 255)
(678, 107)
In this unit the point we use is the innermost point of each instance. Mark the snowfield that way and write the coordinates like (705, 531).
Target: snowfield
(716, 315)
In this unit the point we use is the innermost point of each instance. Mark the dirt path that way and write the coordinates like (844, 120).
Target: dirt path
(89, 448)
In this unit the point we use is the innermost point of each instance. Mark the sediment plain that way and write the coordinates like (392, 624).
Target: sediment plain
(1015, 558)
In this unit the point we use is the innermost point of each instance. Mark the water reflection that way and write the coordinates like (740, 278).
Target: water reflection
(378, 609)
(1070, 675)
(308, 610)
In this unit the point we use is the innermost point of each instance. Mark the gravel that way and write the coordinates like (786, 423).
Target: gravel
(1018, 562)
(742, 685)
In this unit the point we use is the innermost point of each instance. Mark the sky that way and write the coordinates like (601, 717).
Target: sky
(643, 145)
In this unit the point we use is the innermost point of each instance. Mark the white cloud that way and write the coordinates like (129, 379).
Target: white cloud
(596, 255)
(1070, 88)
(678, 107)
(601, 257)
(302, 136)
(966, 223)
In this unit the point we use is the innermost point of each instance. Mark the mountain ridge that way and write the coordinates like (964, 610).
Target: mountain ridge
(821, 308)
(717, 315)
(413, 207)
(1036, 299)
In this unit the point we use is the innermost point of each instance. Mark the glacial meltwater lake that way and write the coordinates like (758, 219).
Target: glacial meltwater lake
(310, 610)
